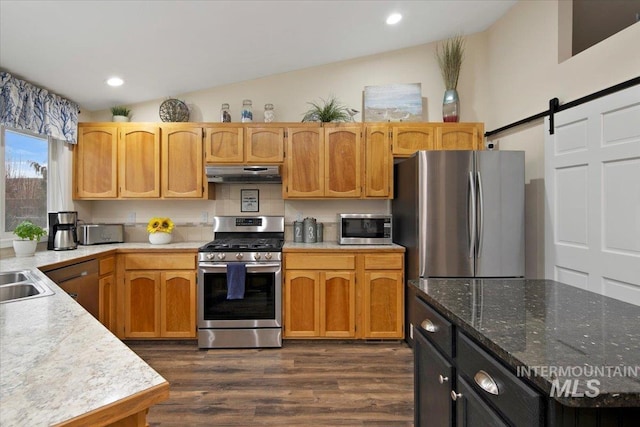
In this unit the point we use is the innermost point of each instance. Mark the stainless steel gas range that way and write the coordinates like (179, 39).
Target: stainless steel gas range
(240, 284)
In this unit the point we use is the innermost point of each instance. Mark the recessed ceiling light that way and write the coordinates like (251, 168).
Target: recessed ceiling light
(115, 81)
(394, 18)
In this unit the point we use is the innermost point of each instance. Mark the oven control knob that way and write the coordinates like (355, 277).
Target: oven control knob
(256, 256)
(222, 256)
(239, 256)
(210, 256)
(268, 255)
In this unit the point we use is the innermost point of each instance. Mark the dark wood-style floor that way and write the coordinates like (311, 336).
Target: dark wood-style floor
(305, 383)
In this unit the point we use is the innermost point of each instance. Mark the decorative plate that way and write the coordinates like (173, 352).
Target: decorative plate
(174, 110)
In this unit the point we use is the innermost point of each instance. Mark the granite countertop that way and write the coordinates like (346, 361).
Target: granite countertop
(57, 362)
(558, 331)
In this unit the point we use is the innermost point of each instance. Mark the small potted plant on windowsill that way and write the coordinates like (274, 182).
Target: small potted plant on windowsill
(120, 114)
(29, 235)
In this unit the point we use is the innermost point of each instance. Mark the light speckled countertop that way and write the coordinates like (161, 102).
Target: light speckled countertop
(57, 361)
(335, 246)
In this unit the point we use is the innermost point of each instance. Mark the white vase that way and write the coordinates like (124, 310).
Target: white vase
(160, 238)
(24, 248)
(120, 118)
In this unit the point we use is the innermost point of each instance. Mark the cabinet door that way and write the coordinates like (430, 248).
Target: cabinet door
(224, 145)
(343, 162)
(433, 405)
(96, 163)
(337, 304)
(302, 297)
(407, 138)
(142, 304)
(178, 304)
(304, 175)
(139, 161)
(264, 145)
(378, 165)
(472, 411)
(383, 304)
(182, 166)
(458, 136)
(107, 310)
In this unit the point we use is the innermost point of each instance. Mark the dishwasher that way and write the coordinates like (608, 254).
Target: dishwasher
(81, 282)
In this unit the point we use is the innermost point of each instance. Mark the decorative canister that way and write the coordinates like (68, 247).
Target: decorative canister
(319, 232)
(246, 114)
(298, 230)
(309, 225)
(269, 114)
(225, 115)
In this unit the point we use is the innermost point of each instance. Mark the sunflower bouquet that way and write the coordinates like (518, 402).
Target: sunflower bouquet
(160, 225)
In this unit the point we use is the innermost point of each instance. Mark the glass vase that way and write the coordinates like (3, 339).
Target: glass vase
(451, 106)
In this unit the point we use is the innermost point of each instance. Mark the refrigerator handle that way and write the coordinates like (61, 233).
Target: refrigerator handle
(471, 222)
(480, 213)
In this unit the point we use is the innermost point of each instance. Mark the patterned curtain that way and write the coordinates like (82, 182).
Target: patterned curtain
(28, 107)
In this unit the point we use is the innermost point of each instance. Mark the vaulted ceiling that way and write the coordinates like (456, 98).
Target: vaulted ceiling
(166, 48)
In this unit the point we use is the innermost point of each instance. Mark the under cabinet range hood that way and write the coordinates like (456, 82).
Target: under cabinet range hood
(239, 174)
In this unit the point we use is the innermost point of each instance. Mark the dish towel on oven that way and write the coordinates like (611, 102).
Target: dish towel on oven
(236, 274)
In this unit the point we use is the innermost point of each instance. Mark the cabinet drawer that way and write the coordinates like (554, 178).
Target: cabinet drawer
(319, 261)
(160, 262)
(383, 262)
(518, 402)
(107, 265)
(435, 327)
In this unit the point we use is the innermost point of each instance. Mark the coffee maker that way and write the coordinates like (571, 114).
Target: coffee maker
(62, 231)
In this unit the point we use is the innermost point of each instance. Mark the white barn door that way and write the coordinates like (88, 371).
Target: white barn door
(592, 183)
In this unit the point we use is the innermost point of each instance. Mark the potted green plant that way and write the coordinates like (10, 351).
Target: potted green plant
(331, 110)
(120, 114)
(450, 55)
(28, 236)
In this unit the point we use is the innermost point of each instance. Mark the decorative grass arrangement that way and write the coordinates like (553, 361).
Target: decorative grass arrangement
(450, 56)
(120, 111)
(331, 111)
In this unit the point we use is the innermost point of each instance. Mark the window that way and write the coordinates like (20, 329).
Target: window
(25, 184)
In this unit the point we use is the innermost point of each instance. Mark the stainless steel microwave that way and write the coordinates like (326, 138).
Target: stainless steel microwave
(364, 229)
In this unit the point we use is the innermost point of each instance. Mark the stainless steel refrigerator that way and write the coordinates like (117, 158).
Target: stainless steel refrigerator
(461, 213)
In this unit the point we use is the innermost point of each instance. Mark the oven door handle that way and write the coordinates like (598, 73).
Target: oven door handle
(221, 266)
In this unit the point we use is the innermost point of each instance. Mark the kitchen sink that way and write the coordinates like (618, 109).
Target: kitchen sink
(21, 285)
(12, 277)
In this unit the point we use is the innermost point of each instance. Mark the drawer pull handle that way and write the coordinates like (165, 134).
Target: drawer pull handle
(442, 379)
(486, 383)
(455, 396)
(428, 326)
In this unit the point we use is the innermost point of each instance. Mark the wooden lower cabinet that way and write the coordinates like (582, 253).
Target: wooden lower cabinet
(320, 303)
(344, 294)
(107, 290)
(159, 303)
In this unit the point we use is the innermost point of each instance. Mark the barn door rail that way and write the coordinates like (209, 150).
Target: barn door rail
(555, 107)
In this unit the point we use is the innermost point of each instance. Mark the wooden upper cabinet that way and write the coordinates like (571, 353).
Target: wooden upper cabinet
(407, 138)
(224, 144)
(343, 161)
(139, 161)
(460, 136)
(378, 169)
(182, 164)
(264, 145)
(305, 168)
(96, 162)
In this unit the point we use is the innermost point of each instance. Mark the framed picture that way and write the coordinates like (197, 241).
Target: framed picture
(393, 103)
(249, 200)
